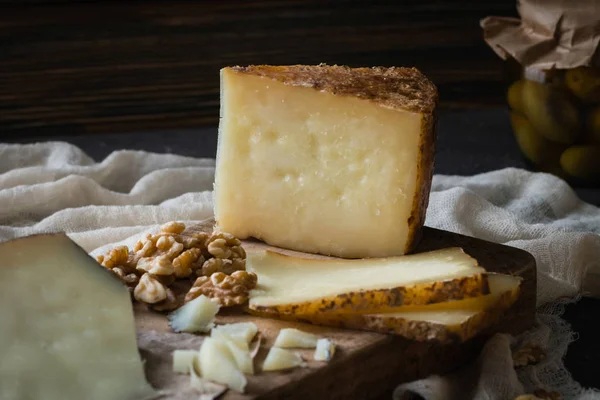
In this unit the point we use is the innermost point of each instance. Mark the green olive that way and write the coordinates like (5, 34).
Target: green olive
(534, 146)
(584, 82)
(551, 112)
(513, 96)
(582, 162)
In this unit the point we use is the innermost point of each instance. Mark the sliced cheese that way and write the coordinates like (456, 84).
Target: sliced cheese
(325, 350)
(325, 159)
(290, 337)
(443, 322)
(196, 316)
(279, 359)
(67, 329)
(300, 285)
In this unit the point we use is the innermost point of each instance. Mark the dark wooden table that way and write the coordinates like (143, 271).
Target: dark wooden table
(469, 142)
(78, 67)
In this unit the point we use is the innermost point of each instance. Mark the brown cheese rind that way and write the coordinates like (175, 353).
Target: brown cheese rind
(394, 87)
(425, 166)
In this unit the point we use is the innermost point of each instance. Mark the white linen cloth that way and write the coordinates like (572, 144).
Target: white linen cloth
(54, 186)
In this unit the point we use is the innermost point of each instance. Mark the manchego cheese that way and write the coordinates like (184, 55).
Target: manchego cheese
(298, 285)
(447, 322)
(326, 159)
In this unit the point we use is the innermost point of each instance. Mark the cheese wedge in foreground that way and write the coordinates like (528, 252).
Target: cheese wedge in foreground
(325, 159)
(442, 322)
(309, 286)
(66, 325)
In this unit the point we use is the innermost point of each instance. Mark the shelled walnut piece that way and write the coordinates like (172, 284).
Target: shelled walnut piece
(229, 290)
(158, 260)
(528, 355)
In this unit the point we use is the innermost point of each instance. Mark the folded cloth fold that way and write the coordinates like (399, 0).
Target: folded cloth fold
(54, 186)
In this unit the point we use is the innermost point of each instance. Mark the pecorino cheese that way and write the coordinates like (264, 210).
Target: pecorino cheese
(325, 159)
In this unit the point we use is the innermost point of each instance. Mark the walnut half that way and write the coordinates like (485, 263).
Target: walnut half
(150, 290)
(528, 355)
(229, 290)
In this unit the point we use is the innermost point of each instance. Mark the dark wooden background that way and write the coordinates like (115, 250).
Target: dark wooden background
(74, 67)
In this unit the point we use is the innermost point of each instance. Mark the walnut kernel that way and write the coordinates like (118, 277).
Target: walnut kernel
(225, 266)
(184, 262)
(145, 247)
(116, 256)
(229, 290)
(173, 227)
(160, 265)
(149, 290)
(128, 279)
(220, 244)
(528, 355)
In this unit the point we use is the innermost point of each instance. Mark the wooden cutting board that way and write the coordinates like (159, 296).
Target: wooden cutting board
(368, 365)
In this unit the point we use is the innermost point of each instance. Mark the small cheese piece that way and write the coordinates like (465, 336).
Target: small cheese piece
(67, 329)
(184, 361)
(279, 359)
(325, 159)
(238, 354)
(325, 350)
(206, 388)
(304, 286)
(196, 316)
(216, 365)
(290, 337)
(241, 332)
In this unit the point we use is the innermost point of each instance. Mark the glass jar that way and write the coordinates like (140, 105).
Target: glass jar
(555, 118)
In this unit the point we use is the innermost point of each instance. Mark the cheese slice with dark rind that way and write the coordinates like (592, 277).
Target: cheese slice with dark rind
(448, 322)
(307, 286)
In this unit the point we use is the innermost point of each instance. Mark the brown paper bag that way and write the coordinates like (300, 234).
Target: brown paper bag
(551, 34)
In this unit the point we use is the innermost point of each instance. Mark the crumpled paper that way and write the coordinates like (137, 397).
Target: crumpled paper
(559, 34)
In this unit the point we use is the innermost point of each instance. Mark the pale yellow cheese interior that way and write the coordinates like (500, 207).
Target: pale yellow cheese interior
(315, 172)
(67, 329)
(289, 280)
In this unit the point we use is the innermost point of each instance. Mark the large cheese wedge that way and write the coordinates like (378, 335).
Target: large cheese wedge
(325, 159)
(449, 322)
(307, 286)
(67, 329)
